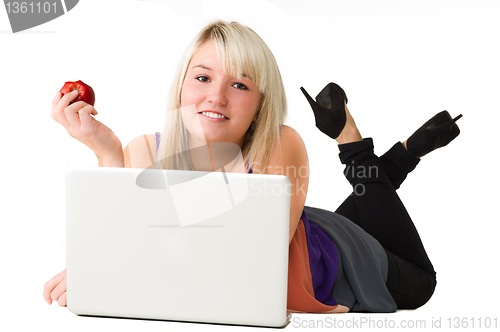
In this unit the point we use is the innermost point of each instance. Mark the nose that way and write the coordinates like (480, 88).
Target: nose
(217, 94)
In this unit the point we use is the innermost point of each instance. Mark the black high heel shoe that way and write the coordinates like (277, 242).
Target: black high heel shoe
(329, 109)
(440, 130)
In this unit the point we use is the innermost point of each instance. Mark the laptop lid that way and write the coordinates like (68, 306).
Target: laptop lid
(178, 245)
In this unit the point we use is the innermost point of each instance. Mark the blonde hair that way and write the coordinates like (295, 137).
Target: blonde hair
(240, 50)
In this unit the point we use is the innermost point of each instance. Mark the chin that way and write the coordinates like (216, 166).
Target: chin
(215, 136)
(211, 139)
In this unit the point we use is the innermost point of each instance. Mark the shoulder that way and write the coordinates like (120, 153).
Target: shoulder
(292, 146)
(143, 141)
(140, 152)
(291, 137)
(290, 152)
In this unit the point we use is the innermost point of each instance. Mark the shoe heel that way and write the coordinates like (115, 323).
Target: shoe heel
(456, 119)
(311, 101)
(449, 132)
(449, 124)
(439, 131)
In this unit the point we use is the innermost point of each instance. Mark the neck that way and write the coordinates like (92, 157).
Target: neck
(204, 159)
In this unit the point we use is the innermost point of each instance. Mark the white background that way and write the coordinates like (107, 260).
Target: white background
(399, 63)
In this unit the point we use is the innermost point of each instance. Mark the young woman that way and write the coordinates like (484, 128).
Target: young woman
(366, 256)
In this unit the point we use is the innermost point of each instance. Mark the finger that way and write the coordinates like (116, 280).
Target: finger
(63, 302)
(56, 99)
(47, 299)
(72, 115)
(51, 284)
(62, 103)
(86, 119)
(59, 290)
(56, 112)
(70, 96)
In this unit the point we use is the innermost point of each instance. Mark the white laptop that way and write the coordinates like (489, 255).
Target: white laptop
(178, 245)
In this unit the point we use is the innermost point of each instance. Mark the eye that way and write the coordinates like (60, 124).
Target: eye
(202, 78)
(240, 86)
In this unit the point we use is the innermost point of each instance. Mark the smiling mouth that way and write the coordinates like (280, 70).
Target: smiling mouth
(214, 115)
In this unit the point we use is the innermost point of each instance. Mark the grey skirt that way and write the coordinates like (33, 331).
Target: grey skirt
(363, 265)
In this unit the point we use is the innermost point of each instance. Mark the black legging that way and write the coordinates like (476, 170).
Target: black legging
(375, 206)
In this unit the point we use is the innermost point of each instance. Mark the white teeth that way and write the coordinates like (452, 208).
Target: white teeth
(213, 115)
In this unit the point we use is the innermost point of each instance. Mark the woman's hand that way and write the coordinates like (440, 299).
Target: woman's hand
(55, 289)
(79, 123)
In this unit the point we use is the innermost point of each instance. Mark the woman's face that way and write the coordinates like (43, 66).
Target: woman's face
(213, 92)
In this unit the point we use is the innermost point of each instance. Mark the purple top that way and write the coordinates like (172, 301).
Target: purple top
(323, 261)
(323, 256)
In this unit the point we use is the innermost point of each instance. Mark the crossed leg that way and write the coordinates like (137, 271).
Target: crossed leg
(375, 206)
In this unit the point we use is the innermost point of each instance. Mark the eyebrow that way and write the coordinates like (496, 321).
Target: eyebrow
(202, 66)
(208, 68)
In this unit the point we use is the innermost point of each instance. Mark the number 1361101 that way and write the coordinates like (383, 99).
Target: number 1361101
(15, 7)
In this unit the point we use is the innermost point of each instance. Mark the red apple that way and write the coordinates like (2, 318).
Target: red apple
(86, 93)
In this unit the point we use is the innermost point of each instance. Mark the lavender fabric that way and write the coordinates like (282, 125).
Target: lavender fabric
(323, 261)
(157, 143)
